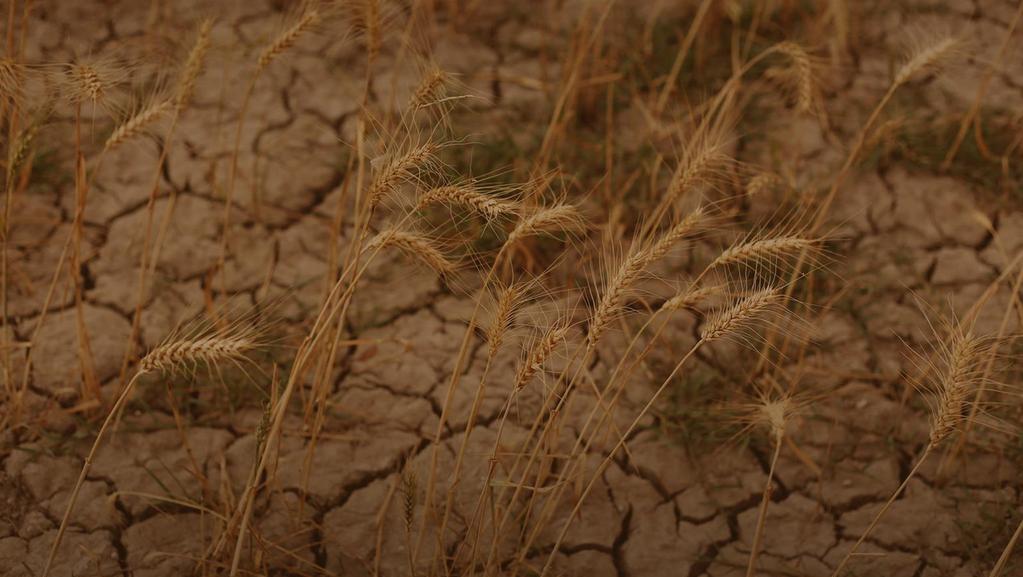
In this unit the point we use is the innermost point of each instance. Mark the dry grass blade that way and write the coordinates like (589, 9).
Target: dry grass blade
(416, 246)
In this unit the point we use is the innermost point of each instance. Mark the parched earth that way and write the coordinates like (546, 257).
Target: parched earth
(907, 234)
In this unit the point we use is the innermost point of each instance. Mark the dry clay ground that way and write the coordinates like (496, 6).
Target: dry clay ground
(659, 511)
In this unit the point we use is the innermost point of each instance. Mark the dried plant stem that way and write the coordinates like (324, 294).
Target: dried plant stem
(884, 509)
(232, 177)
(614, 450)
(86, 467)
(758, 535)
(1003, 559)
(982, 88)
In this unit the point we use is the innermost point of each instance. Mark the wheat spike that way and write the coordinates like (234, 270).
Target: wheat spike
(485, 205)
(804, 74)
(506, 304)
(402, 168)
(179, 354)
(193, 65)
(926, 58)
(430, 90)
(558, 218)
(685, 228)
(614, 295)
(538, 354)
(137, 123)
(956, 385)
(764, 250)
(416, 246)
(690, 298)
(288, 37)
(409, 493)
(740, 314)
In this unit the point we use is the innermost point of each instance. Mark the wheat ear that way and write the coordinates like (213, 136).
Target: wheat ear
(416, 246)
(558, 218)
(763, 250)
(803, 68)
(741, 314)
(193, 66)
(288, 37)
(402, 168)
(927, 58)
(468, 196)
(538, 354)
(138, 123)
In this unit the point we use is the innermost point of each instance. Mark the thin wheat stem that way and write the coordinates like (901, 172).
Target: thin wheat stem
(884, 509)
(86, 467)
(762, 517)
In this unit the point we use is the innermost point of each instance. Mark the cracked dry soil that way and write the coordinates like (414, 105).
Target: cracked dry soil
(666, 506)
